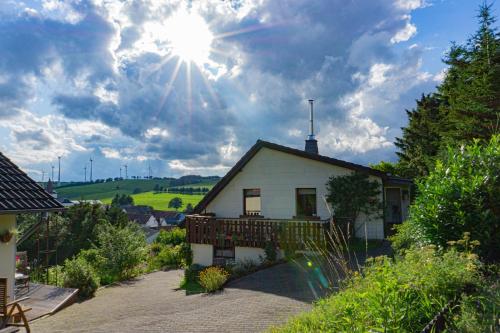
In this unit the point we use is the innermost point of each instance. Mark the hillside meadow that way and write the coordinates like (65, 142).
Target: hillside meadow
(159, 201)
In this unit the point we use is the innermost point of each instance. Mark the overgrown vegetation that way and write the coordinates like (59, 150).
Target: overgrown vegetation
(460, 195)
(392, 295)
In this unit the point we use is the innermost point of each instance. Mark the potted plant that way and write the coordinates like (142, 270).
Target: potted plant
(7, 234)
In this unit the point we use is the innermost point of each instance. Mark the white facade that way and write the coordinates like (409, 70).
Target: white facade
(8, 255)
(278, 175)
(203, 254)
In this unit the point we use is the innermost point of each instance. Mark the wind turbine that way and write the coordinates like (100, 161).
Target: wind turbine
(59, 171)
(85, 170)
(52, 173)
(91, 160)
(126, 171)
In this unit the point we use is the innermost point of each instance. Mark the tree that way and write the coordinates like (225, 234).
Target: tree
(352, 195)
(472, 85)
(421, 139)
(189, 208)
(175, 203)
(122, 200)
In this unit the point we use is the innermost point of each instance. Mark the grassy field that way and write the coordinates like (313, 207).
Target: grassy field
(108, 190)
(159, 201)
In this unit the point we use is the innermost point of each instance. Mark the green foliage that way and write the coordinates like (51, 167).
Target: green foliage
(460, 195)
(400, 295)
(175, 203)
(122, 200)
(170, 256)
(189, 208)
(78, 273)
(465, 107)
(192, 272)
(116, 216)
(175, 236)
(422, 138)
(352, 195)
(390, 168)
(123, 249)
(213, 278)
(270, 252)
(479, 311)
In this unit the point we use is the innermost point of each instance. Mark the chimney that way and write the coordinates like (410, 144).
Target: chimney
(311, 143)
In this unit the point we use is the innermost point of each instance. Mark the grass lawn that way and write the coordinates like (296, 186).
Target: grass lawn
(159, 201)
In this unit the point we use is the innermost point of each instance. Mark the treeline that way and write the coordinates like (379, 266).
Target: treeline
(464, 108)
(181, 190)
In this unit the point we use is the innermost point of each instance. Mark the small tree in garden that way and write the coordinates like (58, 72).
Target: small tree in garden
(175, 203)
(189, 209)
(353, 195)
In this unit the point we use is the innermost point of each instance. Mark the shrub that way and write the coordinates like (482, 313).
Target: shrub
(460, 195)
(123, 249)
(192, 272)
(213, 278)
(78, 273)
(186, 254)
(270, 252)
(400, 295)
(243, 267)
(176, 236)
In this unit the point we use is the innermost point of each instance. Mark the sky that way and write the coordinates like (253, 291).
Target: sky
(187, 87)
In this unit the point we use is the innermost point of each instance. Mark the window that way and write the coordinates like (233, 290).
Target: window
(306, 202)
(251, 202)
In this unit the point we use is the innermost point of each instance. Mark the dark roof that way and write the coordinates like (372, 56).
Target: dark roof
(159, 214)
(131, 209)
(19, 193)
(139, 218)
(301, 153)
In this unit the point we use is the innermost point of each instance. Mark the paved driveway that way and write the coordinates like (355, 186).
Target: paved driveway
(152, 304)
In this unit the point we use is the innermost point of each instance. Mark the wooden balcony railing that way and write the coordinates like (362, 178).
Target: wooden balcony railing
(224, 232)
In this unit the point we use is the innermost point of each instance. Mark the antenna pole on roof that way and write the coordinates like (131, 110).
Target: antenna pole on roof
(311, 120)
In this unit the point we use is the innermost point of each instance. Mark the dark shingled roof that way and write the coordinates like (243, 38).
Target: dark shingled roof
(19, 193)
(301, 153)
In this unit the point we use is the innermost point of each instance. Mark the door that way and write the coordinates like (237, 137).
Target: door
(393, 213)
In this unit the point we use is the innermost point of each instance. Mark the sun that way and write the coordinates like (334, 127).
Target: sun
(189, 36)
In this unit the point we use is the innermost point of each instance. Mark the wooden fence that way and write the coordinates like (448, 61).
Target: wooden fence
(254, 232)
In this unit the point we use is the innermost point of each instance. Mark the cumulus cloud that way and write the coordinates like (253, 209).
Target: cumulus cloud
(115, 87)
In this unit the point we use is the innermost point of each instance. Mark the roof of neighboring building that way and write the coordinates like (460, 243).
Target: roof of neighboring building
(297, 152)
(139, 218)
(137, 209)
(169, 215)
(19, 193)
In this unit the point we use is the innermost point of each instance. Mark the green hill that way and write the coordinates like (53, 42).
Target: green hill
(159, 201)
(100, 191)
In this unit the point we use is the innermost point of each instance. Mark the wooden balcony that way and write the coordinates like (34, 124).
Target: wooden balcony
(252, 232)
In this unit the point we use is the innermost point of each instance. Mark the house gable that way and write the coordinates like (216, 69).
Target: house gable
(277, 174)
(297, 158)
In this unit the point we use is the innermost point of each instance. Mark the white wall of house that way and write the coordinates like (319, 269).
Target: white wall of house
(278, 175)
(203, 254)
(8, 255)
(152, 222)
(242, 253)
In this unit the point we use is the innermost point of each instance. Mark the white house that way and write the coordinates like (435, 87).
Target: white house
(277, 183)
(18, 194)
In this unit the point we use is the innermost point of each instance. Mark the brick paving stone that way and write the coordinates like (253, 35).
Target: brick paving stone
(152, 303)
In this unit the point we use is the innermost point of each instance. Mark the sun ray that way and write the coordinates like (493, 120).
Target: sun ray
(189, 95)
(209, 88)
(169, 86)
